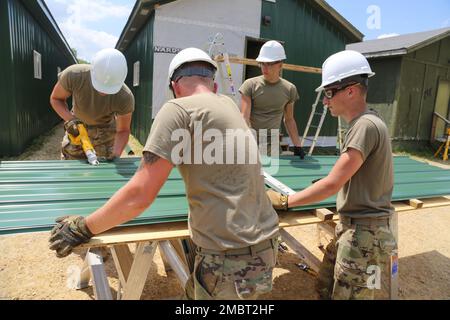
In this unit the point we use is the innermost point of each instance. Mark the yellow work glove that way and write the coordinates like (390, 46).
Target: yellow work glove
(279, 201)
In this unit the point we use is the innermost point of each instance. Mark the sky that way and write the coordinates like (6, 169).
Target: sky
(91, 25)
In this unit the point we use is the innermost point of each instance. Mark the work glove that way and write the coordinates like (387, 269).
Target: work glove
(71, 126)
(69, 232)
(298, 151)
(279, 201)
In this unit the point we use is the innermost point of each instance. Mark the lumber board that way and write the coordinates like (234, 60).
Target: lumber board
(179, 230)
(286, 66)
(324, 214)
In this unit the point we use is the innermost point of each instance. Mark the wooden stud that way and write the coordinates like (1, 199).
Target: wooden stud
(324, 214)
(123, 259)
(416, 203)
(143, 259)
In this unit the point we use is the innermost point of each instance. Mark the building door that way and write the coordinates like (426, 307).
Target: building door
(251, 52)
(442, 107)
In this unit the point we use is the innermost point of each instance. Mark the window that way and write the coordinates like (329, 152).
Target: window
(37, 59)
(136, 69)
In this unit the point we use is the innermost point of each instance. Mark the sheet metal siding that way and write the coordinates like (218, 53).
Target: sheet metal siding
(141, 49)
(419, 81)
(309, 39)
(31, 114)
(34, 193)
(7, 99)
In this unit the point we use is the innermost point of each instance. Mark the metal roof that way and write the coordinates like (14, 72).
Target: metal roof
(34, 193)
(42, 13)
(143, 8)
(398, 45)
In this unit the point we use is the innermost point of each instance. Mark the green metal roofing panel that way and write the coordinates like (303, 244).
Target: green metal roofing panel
(34, 193)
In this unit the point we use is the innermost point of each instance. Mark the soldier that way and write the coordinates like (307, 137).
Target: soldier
(231, 220)
(267, 99)
(101, 101)
(363, 178)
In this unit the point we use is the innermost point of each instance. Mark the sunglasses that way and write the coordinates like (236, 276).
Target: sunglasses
(268, 64)
(331, 92)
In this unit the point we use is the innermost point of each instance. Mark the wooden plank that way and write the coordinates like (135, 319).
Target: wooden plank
(415, 203)
(123, 259)
(286, 66)
(179, 230)
(143, 259)
(324, 214)
(300, 250)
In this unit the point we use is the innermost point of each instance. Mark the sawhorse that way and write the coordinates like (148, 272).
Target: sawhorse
(133, 270)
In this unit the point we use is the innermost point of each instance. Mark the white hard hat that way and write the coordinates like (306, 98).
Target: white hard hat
(343, 65)
(109, 70)
(271, 51)
(189, 55)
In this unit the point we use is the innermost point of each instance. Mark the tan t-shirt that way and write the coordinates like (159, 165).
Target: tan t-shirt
(368, 193)
(228, 206)
(268, 101)
(88, 105)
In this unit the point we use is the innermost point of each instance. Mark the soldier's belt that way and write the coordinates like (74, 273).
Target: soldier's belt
(383, 221)
(250, 250)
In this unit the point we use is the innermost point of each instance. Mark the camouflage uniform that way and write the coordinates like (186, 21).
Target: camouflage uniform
(233, 275)
(102, 138)
(359, 252)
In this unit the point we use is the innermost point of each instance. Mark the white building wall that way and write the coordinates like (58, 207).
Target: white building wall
(193, 23)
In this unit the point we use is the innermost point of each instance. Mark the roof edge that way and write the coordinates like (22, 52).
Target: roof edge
(340, 19)
(48, 21)
(149, 5)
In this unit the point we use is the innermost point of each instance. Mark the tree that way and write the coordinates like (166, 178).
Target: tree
(75, 53)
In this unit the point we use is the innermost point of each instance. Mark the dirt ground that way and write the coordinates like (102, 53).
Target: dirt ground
(29, 270)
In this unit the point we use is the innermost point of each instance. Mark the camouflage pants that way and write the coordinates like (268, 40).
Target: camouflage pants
(102, 139)
(232, 277)
(356, 263)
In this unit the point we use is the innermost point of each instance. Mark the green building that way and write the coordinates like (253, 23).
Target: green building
(412, 82)
(32, 52)
(310, 30)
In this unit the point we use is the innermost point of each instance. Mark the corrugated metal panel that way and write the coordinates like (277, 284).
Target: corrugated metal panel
(7, 102)
(141, 49)
(34, 193)
(309, 39)
(29, 112)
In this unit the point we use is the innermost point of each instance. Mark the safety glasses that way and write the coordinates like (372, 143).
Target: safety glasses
(331, 92)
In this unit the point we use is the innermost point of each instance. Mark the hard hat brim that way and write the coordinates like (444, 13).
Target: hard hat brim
(327, 83)
(105, 89)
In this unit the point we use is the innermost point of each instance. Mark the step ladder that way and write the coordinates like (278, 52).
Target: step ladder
(444, 146)
(340, 136)
(218, 52)
(313, 117)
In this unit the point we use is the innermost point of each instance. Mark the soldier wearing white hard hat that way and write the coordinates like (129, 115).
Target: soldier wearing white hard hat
(100, 100)
(230, 217)
(267, 99)
(356, 263)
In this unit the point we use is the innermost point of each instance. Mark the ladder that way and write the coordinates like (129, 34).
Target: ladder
(444, 147)
(217, 49)
(318, 127)
(340, 136)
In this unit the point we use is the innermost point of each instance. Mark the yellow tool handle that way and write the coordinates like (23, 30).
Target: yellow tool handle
(84, 138)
